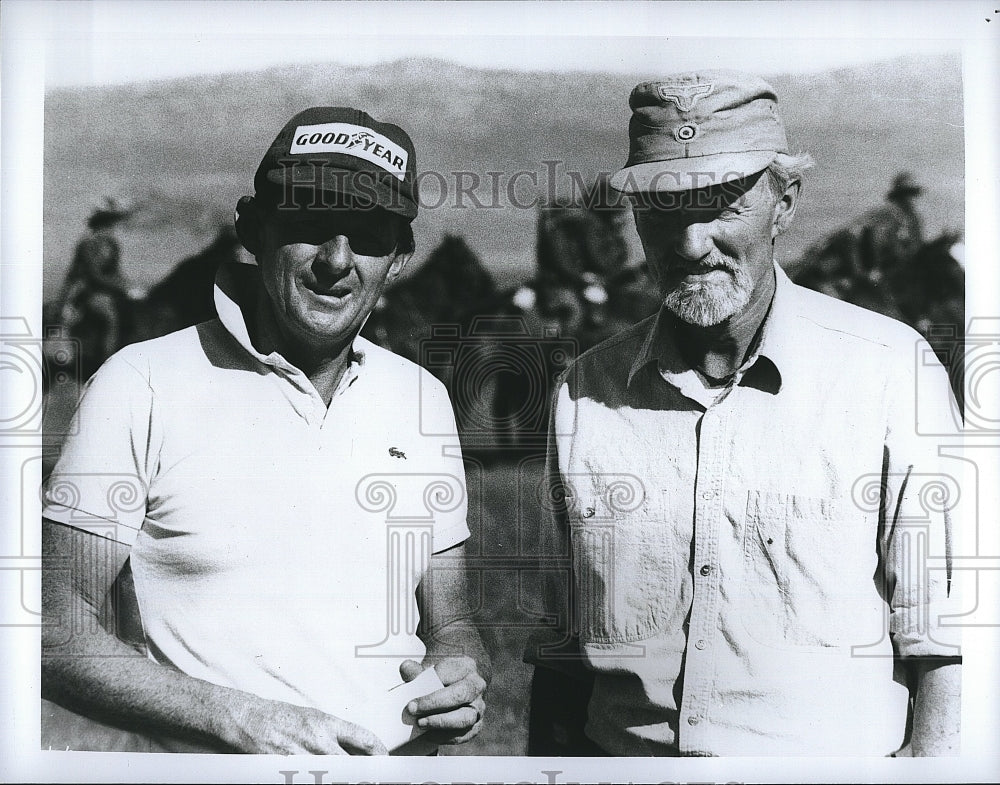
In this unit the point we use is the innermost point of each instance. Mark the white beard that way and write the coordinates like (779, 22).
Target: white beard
(709, 302)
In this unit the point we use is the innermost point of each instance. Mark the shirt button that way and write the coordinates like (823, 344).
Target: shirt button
(705, 569)
(708, 494)
(693, 720)
(700, 644)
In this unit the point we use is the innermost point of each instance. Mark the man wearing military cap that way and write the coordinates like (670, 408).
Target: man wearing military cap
(234, 484)
(736, 481)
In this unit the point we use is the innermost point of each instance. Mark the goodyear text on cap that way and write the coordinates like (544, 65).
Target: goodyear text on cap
(349, 139)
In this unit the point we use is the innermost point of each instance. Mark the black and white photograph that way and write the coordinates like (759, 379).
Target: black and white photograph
(500, 392)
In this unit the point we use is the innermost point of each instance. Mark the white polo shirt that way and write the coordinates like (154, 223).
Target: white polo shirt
(275, 543)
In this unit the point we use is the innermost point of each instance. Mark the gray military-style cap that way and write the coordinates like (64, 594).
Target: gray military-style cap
(702, 128)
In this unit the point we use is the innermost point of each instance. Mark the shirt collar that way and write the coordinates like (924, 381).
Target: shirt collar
(236, 289)
(654, 347)
(778, 335)
(774, 344)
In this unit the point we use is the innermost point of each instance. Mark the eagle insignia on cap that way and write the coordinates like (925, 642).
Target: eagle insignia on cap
(684, 96)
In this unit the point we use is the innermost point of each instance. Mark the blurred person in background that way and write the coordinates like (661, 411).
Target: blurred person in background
(870, 262)
(92, 306)
(891, 235)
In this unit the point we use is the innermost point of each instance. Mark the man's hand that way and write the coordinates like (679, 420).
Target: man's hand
(274, 727)
(455, 712)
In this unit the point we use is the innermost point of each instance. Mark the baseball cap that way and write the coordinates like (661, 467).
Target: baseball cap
(340, 150)
(701, 128)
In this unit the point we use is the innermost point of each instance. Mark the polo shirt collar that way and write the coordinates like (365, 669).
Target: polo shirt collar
(774, 344)
(236, 289)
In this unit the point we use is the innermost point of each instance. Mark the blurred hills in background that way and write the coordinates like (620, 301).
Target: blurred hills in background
(183, 151)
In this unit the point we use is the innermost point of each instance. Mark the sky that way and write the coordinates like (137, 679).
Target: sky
(111, 42)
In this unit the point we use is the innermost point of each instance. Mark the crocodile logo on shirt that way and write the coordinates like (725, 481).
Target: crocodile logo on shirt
(397, 453)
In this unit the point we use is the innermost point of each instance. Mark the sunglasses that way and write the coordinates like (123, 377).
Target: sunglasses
(369, 232)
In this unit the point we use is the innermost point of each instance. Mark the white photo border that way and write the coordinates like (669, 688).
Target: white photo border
(28, 32)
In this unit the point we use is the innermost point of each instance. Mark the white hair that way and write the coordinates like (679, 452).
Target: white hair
(785, 169)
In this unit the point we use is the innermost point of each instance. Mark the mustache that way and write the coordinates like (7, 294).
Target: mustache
(714, 261)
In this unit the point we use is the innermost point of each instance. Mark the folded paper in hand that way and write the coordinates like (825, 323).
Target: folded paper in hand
(393, 724)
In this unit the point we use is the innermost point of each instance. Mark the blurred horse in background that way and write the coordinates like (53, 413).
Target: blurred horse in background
(499, 351)
(184, 297)
(927, 292)
(584, 290)
(79, 339)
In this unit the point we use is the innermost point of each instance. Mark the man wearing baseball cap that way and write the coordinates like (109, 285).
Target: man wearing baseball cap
(742, 483)
(264, 482)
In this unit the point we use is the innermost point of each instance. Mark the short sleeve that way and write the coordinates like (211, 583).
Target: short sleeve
(921, 496)
(101, 480)
(447, 498)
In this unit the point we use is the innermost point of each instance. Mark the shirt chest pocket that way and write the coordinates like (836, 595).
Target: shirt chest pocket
(623, 560)
(808, 572)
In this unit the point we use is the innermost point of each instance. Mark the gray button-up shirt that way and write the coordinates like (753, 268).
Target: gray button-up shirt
(742, 569)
